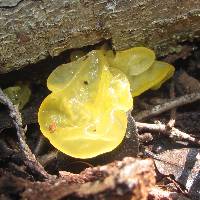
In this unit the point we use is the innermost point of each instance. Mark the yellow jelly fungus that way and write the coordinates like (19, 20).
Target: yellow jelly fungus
(170, 73)
(133, 61)
(85, 115)
(18, 94)
(151, 78)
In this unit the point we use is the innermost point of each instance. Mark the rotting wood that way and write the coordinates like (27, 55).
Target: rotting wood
(127, 179)
(32, 30)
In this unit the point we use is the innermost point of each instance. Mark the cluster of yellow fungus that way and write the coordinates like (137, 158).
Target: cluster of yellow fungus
(86, 113)
(141, 68)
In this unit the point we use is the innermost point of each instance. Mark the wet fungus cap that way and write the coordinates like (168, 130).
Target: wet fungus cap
(152, 78)
(141, 68)
(133, 61)
(85, 115)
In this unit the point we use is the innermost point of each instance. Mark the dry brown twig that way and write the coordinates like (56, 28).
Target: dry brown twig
(28, 157)
(172, 120)
(48, 157)
(176, 102)
(172, 132)
(39, 145)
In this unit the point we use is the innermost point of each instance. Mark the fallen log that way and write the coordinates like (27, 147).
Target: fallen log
(32, 30)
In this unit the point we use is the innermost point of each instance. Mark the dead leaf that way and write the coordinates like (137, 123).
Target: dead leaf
(184, 164)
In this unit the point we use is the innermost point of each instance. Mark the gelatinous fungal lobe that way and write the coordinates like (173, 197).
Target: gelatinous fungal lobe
(141, 68)
(19, 94)
(132, 61)
(85, 115)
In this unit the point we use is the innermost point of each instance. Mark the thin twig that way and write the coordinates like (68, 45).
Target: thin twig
(173, 133)
(47, 158)
(39, 145)
(179, 101)
(172, 120)
(28, 156)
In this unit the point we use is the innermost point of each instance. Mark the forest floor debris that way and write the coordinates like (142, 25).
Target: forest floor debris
(171, 132)
(130, 178)
(29, 158)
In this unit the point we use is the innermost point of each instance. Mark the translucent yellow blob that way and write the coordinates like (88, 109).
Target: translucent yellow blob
(132, 61)
(19, 94)
(139, 65)
(85, 115)
(152, 78)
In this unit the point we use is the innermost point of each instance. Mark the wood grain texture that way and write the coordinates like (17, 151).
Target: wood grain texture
(31, 30)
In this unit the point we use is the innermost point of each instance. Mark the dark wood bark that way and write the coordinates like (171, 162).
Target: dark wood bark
(31, 30)
(127, 179)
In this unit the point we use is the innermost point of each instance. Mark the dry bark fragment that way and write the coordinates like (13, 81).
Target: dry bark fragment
(131, 178)
(127, 179)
